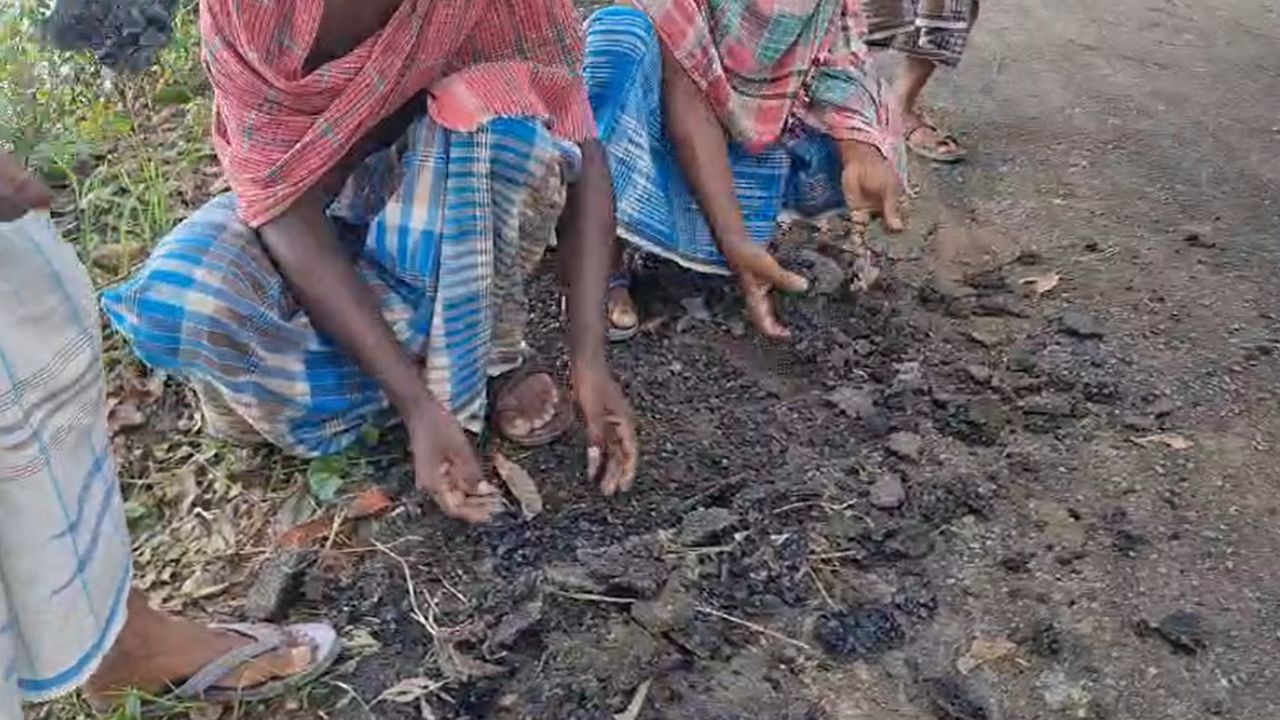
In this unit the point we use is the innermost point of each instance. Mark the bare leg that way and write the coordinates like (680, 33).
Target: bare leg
(621, 308)
(703, 154)
(156, 651)
(912, 79)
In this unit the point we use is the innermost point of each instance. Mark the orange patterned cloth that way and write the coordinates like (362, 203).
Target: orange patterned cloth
(278, 129)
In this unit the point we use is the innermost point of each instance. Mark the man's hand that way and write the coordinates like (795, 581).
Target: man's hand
(445, 466)
(612, 455)
(20, 192)
(758, 274)
(870, 184)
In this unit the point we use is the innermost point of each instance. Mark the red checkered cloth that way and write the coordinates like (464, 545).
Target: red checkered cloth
(278, 129)
(764, 63)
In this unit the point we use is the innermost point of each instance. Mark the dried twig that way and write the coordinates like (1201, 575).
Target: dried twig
(592, 597)
(426, 621)
(821, 588)
(752, 626)
(637, 703)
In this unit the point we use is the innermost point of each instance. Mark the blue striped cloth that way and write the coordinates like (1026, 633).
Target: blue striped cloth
(656, 209)
(444, 230)
(64, 546)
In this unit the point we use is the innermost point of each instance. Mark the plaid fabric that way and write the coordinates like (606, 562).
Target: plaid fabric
(278, 129)
(446, 227)
(64, 547)
(655, 208)
(937, 30)
(765, 63)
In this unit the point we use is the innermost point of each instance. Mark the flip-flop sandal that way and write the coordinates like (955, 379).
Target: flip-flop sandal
(618, 333)
(931, 152)
(559, 424)
(266, 639)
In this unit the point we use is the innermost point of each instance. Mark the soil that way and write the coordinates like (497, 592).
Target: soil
(1049, 501)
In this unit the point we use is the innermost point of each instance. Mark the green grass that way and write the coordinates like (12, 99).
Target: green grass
(127, 156)
(128, 153)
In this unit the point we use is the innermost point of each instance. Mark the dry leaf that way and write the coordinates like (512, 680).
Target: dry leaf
(983, 652)
(1173, 441)
(369, 503)
(637, 703)
(1040, 284)
(409, 690)
(519, 482)
(460, 667)
(125, 416)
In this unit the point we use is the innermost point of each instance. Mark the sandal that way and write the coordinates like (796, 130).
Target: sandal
(559, 424)
(931, 151)
(266, 639)
(620, 333)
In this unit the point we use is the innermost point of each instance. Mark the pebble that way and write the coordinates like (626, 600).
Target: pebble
(1162, 407)
(1197, 236)
(857, 403)
(1184, 630)
(979, 374)
(906, 445)
(1049, 406)
(702, 526)
(1078, 324)
(671, 610)
(1139, 422)
(953, 699)
(888, 492)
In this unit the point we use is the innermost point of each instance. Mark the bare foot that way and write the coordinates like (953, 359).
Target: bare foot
(624, 318)
(528, 407)
(157, 652)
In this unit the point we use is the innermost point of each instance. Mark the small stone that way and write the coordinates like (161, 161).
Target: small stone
(702, 526)
(979, 374)
(1162, 407)
(1003, 305)
(888, 492)
(1062, 694)
(1021, 361)
(857, 403)
(985, 338)
(1184, 630)
(1197, 236)
(671, 610)
(906, 445)
(954, 699)
(910, 378)
(1139, 422)
(1078, 324)
(696, 308)
(1049, 406)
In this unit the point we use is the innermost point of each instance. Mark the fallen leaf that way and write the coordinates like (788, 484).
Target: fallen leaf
(637, 703)
(368, 503)
(1040, 284)
(1173, 441)
(983, 652)
(460, 667)
(521, 484)
(359, 642)
(409, 690)
(125, 416)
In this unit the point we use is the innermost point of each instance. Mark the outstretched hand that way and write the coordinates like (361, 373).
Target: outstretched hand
(759, 274)
(445, 466)
(612, 454)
